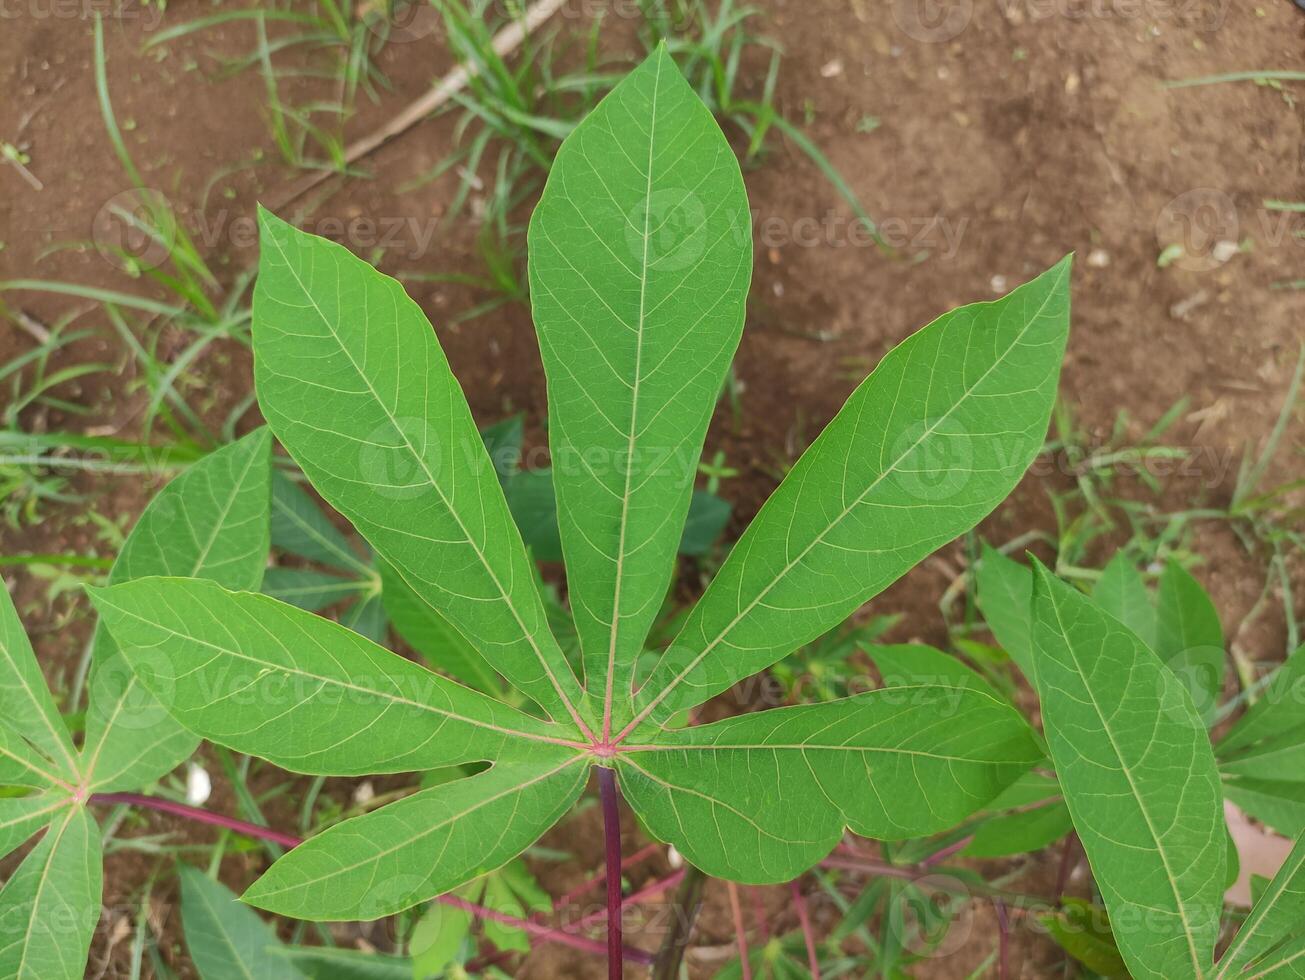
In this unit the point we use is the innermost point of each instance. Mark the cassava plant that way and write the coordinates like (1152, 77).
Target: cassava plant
(640, 260)
(210, 522)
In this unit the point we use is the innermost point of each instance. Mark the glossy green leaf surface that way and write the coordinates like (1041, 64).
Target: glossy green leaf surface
(925, 448)
(211, 522)
(762, 797)
(226, 939)
(640, 259)
(51, 903)
(268, 679)
(425, 844)
(353, 382)
(1138, 774)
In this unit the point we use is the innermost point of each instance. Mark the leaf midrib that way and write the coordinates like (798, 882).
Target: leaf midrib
(634, 415)
(642, 715)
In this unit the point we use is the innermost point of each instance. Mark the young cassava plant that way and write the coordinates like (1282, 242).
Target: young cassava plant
(640, 260)
(211, 522)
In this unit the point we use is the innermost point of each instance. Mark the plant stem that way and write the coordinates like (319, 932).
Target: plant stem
(200, 816)
(740, 931)
(612, 833)
(808, 934)
(536, 929)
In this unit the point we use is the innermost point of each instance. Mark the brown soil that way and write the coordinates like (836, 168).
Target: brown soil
(986, 146)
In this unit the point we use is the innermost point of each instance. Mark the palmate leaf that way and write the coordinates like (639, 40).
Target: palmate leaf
(211, 522)
(1139, 776)
(352, 380)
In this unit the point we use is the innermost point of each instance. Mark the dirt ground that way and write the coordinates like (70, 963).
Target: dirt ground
(987, 140)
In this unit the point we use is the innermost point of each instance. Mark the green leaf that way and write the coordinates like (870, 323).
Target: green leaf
(22, 765)
(640, 259)
(1121, 591)
(1277, 803)
(302, 692)
(211, 522)
(762, 797)
(300, 528)
(1278, 712)
(424, 845)
(1278, 914)
(353, 382)
(437, 939)
(227, 940)
(925, 448)
(1020, 832)
(310, 589)
(334, 963)
(431, 635)
(915, 664)
(708, 515)
(1189, 638)
(22, 816)
(26, 706)
(533, 502)
(50, 905)
(1005, 592)
(1083, 931)
(503, 444)
(1139, 777)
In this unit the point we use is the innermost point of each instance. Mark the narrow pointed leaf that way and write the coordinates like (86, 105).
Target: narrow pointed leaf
(925, 448)
(1121, 591)
(26, 706)
(1005, 593)
(354, 384)
(49, 907)
(1189, 638)
(423, 845)
(1276, 803)
(310, 589)
(211, 522)
(1139, 777)
(762, 797)
(640, 257)
(1278, 712)
(1278, 913)
(310, 695)
(300, 528)
(226, 939)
